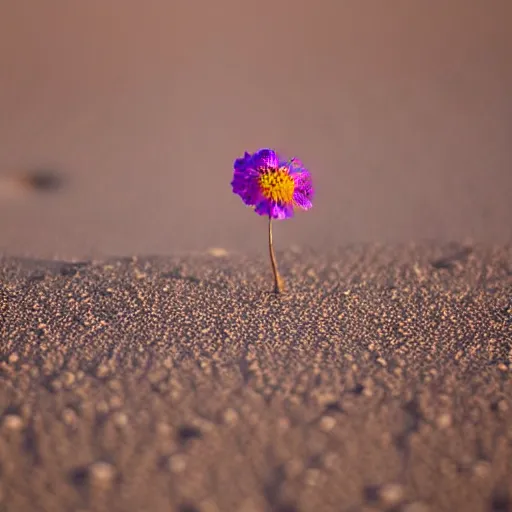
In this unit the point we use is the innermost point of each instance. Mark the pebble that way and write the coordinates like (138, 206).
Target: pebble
(101, 473)
(56, 385)
(217, 252)
(13, 422)
(164, 429)
(120, 419)
(102, 407)
(115, 402)
(502, 406)
(69, 416)
(327, 423)
(13, 358)
(481, 469)
(444, 421)
(68, 378)
(326, 398)
(177, 463)
(391, 494)
(230, 416)
(102, 371)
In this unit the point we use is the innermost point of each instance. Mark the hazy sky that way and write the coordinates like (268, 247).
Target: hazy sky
(402, 110)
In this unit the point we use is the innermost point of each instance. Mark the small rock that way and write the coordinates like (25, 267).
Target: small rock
(102, 371)
(502, 406)
(391, 494)
(218, 252)
(102, 473)
(368, 388)
(120, 419)
(56, 385)
(163, 429)
(139, 274)
(102, 407)
(68, 378)
(444, 421)
(115, 402)
(116, 386)
(69, 417)
(481, 469)
(177, 463)
(327, 423)
(230, 416)
(13, 358)
(13, 422)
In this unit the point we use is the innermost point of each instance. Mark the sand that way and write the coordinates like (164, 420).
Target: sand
(379, 381)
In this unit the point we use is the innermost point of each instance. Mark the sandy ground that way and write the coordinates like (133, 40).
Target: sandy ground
(379, 381)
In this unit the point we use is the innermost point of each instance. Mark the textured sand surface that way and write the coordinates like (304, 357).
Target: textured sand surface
(380, 381)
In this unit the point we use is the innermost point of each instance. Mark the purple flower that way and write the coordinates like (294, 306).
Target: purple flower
(271, 185)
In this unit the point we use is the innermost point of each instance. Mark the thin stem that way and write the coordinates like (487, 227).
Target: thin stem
(278, 282)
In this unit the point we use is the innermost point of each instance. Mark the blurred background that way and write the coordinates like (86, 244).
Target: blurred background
(401, 109)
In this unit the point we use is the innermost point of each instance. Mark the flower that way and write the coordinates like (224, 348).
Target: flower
(271, 185)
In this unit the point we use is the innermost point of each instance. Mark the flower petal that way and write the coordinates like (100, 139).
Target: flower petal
(243, 163)
(302, 201)
(245, 180)
(281, 211)
(274, 210)
(246, 185)
(265, 158)
(263, 207)
(303, 193)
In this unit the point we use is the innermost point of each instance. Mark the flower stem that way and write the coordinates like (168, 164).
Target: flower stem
(278, 282)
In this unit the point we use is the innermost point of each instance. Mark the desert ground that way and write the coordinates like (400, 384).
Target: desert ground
(145, 364)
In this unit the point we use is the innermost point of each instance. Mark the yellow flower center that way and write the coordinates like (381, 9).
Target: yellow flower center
(277, 185)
